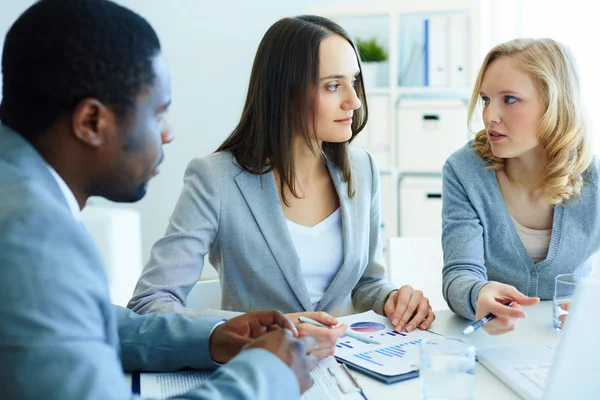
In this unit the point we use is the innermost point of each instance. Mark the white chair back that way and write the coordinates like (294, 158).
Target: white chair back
(418, 261)
(205, 295)
(117, 235)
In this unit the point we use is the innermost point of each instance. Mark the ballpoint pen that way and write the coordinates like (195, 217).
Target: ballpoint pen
(348, 332)
(355, 386)
(478, 324)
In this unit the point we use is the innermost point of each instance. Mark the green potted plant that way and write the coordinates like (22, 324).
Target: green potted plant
(374, 64)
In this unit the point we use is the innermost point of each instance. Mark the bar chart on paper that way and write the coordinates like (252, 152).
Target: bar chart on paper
(398, 352)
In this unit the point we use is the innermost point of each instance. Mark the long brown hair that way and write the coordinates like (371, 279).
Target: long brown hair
(281, 96)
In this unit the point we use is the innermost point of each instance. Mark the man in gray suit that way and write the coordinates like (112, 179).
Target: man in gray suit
(85, 89)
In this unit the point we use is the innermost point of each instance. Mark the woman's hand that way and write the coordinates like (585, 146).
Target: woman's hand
(493, 298)
(408, 309)
(326, 337)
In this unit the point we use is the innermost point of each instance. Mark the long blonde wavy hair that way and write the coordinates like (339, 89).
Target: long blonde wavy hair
(563, 130)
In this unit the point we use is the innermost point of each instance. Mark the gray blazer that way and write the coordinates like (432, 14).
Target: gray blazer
(60, 337)
(229, 214)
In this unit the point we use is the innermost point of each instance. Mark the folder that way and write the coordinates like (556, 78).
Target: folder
(458, 50)
(426, 52)
(437, 51)
(395, 359)
(388, 379)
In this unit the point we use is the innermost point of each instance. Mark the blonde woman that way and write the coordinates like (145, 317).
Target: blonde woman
(521, 201)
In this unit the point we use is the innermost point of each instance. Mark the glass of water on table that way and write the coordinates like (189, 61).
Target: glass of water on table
(564, 289)
(447, 369)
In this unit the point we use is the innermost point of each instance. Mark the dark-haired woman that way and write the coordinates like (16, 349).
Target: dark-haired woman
(287, 211)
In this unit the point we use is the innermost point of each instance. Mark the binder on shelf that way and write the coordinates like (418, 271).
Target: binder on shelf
(458, 45)
(437, 51)
(446, 51)
(426, 53)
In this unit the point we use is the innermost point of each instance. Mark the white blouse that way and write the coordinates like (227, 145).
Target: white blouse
(321, 252)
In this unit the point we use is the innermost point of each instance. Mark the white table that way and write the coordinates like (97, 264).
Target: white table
(536, 328)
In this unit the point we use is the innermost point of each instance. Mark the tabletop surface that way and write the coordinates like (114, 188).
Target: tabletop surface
(536, 328)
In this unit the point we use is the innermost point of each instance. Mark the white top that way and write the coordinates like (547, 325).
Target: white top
(321, 252)
(536, 241)
(69, 196)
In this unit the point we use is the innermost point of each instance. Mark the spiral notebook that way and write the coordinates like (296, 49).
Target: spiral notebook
(395, 359)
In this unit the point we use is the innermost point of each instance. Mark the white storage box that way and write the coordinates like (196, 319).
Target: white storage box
(420, 206)
(429, 131)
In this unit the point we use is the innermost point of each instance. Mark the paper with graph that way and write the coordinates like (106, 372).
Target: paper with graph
(397, 354)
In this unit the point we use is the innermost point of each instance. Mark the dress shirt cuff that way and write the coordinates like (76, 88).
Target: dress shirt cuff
(221, 322)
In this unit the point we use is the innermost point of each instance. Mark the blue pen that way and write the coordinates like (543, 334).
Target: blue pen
(348, 332)
(478, 324)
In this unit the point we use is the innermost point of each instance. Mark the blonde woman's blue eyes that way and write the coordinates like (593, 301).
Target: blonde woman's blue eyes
(507, 100)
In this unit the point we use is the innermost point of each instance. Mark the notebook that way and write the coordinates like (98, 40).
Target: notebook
(331, 382)
(395, 359)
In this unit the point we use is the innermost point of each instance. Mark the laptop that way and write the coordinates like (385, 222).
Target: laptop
(563, 371)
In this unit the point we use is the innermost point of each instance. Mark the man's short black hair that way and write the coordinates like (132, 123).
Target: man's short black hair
(60, 52)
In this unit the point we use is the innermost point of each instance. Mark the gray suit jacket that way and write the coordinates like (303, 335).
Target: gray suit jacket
(60, 337)
(228, 213)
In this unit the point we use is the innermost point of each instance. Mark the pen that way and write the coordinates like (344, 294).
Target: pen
(478, 324)
(348, 332)
(354, 382)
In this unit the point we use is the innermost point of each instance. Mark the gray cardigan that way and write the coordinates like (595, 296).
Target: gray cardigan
(224, 211)
(481, 244)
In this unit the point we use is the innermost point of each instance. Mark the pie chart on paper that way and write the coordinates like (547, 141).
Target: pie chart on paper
(367, 327)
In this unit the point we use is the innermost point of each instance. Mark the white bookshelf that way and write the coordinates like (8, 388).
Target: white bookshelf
(460, 92)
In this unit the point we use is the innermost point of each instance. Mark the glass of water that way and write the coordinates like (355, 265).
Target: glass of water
(564, 288)
(447, 370)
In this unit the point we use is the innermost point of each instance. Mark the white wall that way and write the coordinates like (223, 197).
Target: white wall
(9, 12)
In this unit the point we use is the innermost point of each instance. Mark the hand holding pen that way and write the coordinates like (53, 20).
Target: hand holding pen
(326, 338)
(347, 331)
(493, 300)
(481, 322)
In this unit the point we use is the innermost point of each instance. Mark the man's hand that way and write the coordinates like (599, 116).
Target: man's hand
(228, 339)
(493, 298)
(295, 353)
(408, 309)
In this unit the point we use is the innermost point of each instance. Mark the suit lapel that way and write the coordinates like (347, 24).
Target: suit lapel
(349, 213)
(266, 208)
